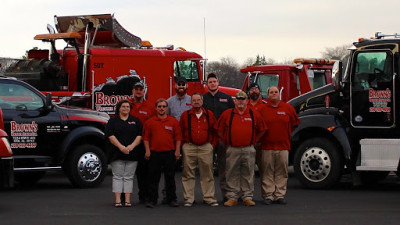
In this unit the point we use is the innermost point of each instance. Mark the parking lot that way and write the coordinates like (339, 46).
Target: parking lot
(54, 201)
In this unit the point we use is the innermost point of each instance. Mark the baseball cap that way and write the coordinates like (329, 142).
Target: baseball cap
(254, 85)
(138, 84)
(241, 95)
(180, 80)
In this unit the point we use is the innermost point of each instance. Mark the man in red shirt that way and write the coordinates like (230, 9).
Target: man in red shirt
(199, 138)
(142, 110)
(256, 103)
(281, 119)
(255, 100)
(162, 140)
(239, 128)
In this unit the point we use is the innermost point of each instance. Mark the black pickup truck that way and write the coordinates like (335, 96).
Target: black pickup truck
(44, 136)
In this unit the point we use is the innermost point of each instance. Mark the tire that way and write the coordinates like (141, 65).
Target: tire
(28, 179)
(318, 164)
(86, 166)
(372, 177)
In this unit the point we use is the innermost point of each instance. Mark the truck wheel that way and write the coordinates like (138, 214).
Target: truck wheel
(86, 166)
(28, 179)
(317, 164)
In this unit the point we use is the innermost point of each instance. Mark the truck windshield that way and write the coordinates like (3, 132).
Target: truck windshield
(187, 69)
(317, 78)
(265, 81)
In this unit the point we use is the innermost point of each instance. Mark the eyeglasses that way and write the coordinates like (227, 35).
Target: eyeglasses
(162, 106)
(240, 98)
(181, 84)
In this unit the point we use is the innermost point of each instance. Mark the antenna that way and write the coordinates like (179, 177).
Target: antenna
(205, 49)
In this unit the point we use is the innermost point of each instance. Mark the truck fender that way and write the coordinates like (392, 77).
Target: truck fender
(78, 133)
(326, 122)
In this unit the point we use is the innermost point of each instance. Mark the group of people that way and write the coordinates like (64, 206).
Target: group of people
(149, 140)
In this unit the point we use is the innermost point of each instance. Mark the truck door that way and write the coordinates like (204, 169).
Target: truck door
(372, 90)
(31, 131)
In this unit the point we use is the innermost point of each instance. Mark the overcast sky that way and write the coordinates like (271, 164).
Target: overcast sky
(278, 29)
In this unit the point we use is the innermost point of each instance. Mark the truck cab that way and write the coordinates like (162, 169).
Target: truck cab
(44, 136)
(352, 125)
(293, 79)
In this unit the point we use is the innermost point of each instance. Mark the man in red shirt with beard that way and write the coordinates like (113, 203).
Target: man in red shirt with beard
(281, 119)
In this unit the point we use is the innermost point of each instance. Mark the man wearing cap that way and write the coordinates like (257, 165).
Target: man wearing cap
(256, 102)
(218, 102)
(240, 128)
(142, 110)
(180, 102)
(281, 119)
(199, 140)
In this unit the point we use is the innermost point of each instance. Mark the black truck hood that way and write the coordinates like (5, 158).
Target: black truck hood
(300, 102)
(82, 114)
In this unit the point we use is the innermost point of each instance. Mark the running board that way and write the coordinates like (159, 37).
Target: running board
(45, 168)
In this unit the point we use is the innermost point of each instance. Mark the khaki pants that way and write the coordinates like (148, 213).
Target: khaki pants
(202, 157)
(240, 172)
(275, 173)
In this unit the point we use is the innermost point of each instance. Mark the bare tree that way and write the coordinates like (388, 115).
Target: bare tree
(228, 72)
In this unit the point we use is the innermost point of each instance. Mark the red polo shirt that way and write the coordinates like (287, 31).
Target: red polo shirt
(257, 106)
(241, 129)
(281, 121)
(202, 131)
(143, 111)
(162, 133)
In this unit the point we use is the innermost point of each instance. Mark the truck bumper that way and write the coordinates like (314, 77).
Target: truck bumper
(6, 172)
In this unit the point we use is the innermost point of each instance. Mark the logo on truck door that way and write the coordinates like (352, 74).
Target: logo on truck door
(379, 100)
(24, 134)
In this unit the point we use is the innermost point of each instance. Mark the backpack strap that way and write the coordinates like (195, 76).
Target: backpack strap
(230, 128)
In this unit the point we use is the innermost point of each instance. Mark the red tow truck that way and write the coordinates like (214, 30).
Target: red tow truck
(101, 61)
(6, 159)
(304, 75)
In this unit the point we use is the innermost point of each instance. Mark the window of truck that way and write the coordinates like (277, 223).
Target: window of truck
(265, 81)
(317, 79)
(372, 89)
(14, 96)
(187, 69)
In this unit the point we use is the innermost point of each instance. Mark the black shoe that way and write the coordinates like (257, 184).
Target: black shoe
(281, 201)
(150, 205)
(267, 201)
(173, 204)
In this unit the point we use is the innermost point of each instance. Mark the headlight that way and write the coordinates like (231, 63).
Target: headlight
(5, 148)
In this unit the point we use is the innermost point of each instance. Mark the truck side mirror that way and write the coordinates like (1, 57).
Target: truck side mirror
(49, 103)
(337, 74)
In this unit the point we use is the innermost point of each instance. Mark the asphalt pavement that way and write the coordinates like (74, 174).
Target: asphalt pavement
(54, 201)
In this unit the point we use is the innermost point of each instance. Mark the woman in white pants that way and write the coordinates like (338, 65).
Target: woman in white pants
(125, 133)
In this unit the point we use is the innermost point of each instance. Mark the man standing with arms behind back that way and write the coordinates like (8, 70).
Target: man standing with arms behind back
(162, 139)
(240, 128)
(218, 102)
(281, 119)
(199, 138)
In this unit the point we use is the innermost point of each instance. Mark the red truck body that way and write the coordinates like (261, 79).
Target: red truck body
(292, 80)
(101, 63)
